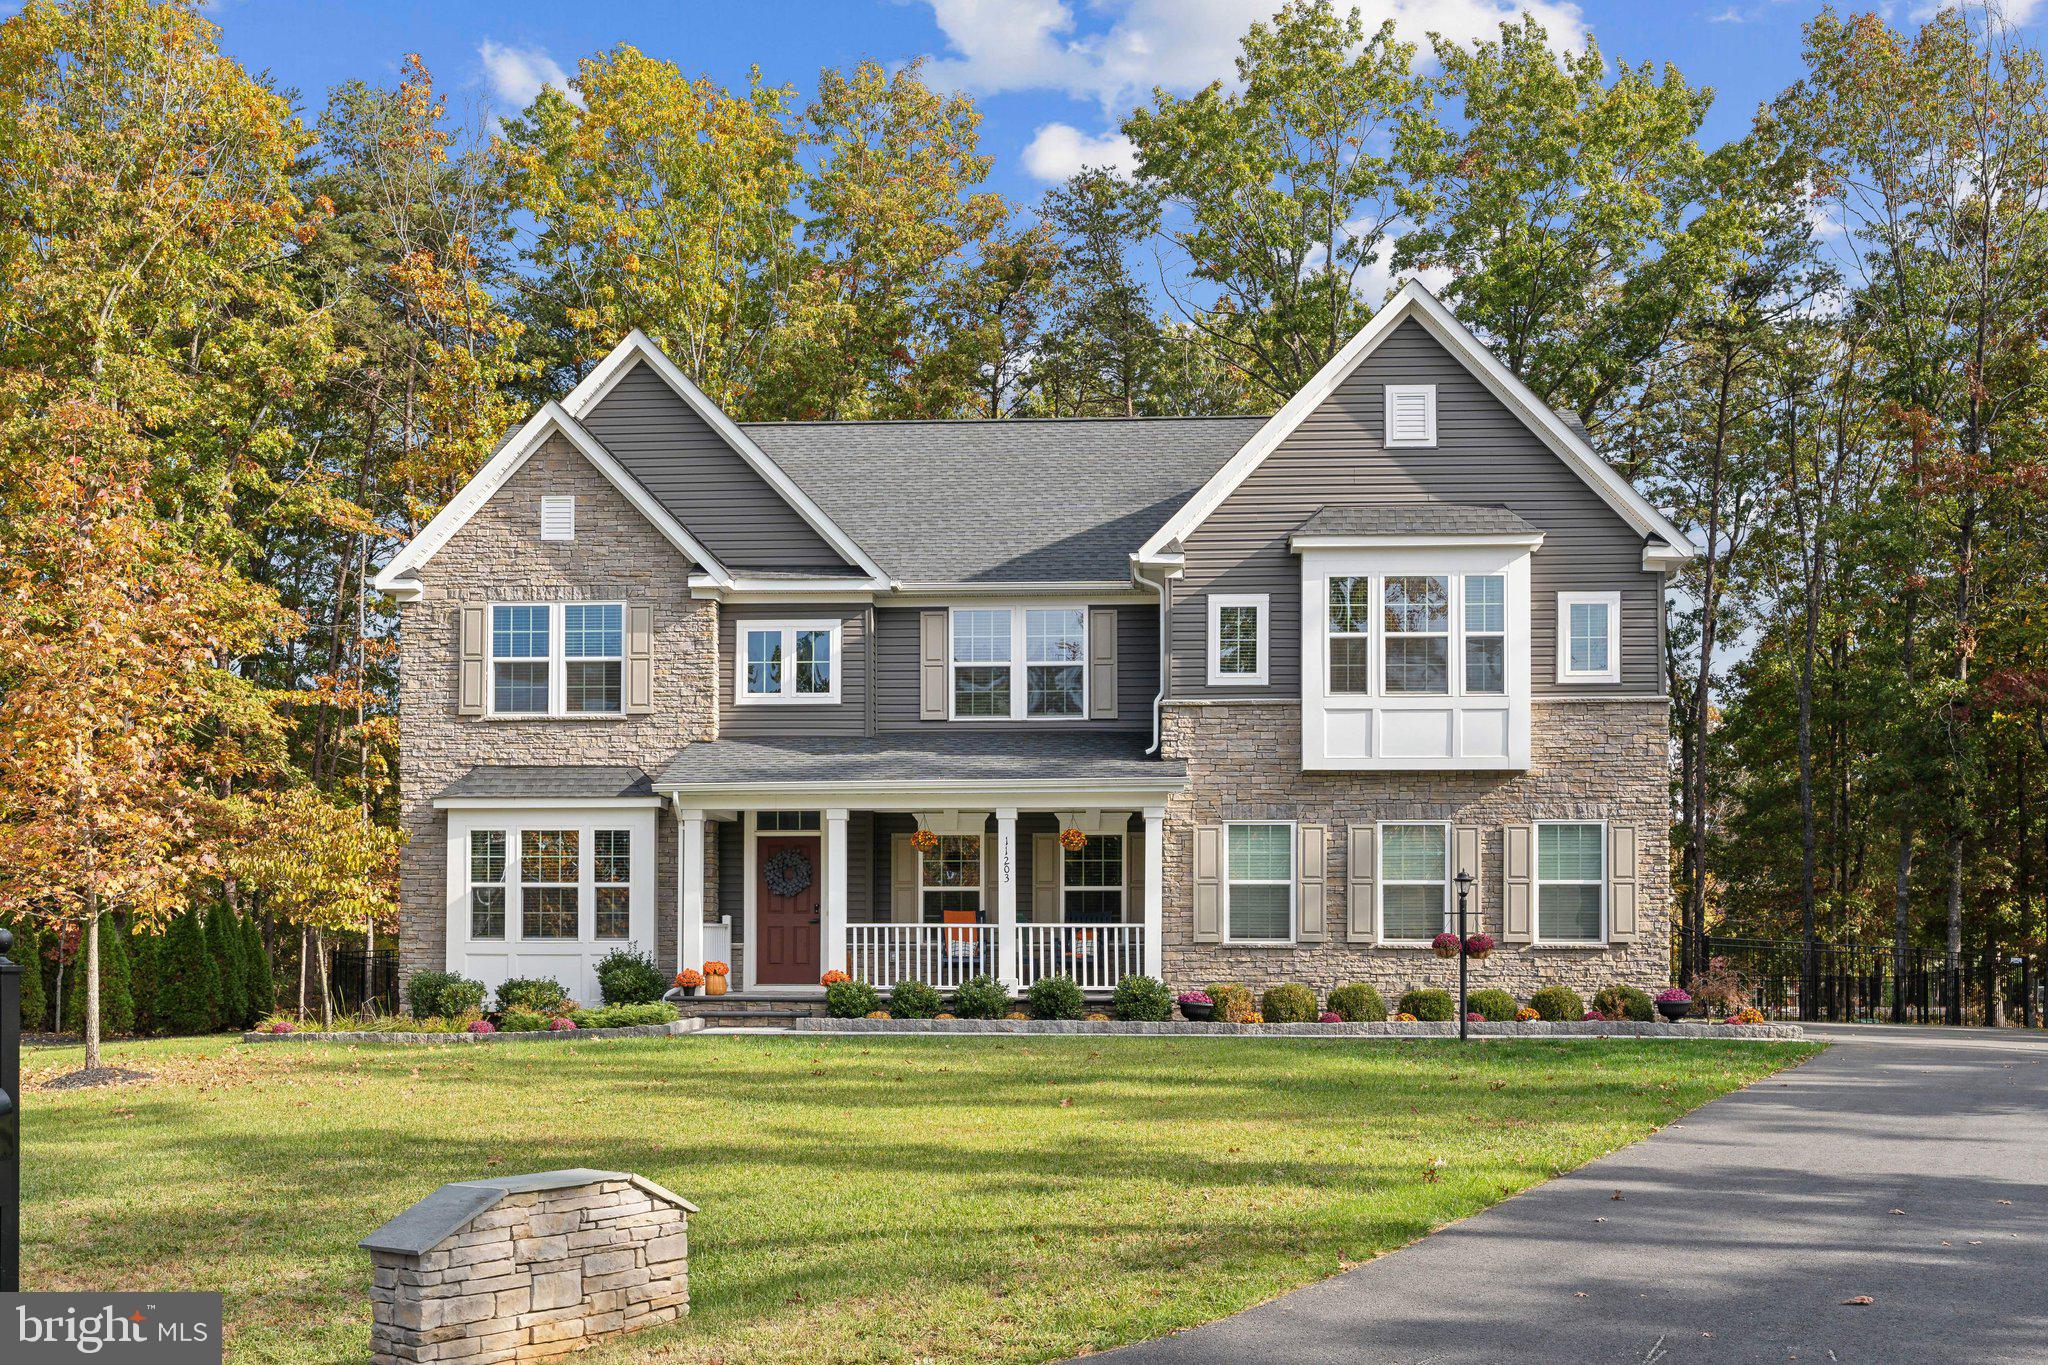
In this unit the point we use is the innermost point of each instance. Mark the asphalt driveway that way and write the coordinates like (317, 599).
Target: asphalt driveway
(1908, 1167)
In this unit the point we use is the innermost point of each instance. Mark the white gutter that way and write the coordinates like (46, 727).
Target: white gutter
(1165, 639)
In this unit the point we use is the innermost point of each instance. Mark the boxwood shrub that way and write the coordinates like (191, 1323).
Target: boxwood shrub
(1429, 1005)
(1055, 997)
(521, 1021)
(980, 997)
(541, 994)
(1558, 1004)
(628, 977)
(914, 1000)
(1496, 1007)
(443, 995)
(1624, 1002)
(1141, 1000)
(1358, 1003)
(851, 1000)
(624, 1016)
(1288, 1004)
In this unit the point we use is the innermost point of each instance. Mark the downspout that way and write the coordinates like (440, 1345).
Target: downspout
(1164, 588)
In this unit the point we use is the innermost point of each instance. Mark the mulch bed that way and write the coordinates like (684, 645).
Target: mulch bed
(100, 1075)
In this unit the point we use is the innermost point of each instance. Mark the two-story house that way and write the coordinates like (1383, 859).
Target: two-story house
(1206, 698)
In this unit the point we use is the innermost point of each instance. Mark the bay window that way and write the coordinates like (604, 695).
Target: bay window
(550, 883)
(557, 658)
(612, 850)
(1418, 633)
(1258, 887)
(1486, 634)
(1019, 663)
(1350, 633)
(787, 662)
(487, 884)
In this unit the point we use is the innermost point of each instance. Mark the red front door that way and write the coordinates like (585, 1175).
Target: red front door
(787, 896)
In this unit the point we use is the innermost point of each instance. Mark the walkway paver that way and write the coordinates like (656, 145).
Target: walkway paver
(1907, 1167)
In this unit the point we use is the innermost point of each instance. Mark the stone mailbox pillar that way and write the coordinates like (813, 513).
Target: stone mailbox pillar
(526, 1267)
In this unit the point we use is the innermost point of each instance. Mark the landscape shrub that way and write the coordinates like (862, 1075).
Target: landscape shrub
(914, 1000)
(1055, 997)
(1496, 1007)
(541, 994)
(626, 976)
(224, 942)
(258, 976)
(521, 1021)
(1234, 1003)
(1358, 1003)
(1558, 1004)
(438, 995)
(1141, 1000)
(1624, 1002)
(28, 953)
(1288, 1003)
(188, 982)
(851, 1000)
(1430, 1005)
(980, 997)
(625, 1016)
(1329, 1017)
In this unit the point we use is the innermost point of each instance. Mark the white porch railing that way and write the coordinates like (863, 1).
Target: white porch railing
(941, 955)
(1097, 956)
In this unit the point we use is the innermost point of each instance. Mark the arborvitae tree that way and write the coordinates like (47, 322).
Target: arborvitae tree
(188, 982)
(224, 941)
(117, 1000)
(28, 955)
(143, 975)
(257, 977)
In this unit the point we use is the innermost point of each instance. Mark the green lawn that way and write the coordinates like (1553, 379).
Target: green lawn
(863, 1199)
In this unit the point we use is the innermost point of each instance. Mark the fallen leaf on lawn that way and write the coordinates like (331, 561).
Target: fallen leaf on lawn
(1899, 1212)
(1599, 1220)
(1580, 1294)
(1066, 1101)
(1615, 1196)
(1859, 1300)
(2006, 1202)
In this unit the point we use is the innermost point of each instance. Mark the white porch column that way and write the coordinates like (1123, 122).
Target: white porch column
(1155, 891)
(1006, 896)
(834, 917)
(690, 889)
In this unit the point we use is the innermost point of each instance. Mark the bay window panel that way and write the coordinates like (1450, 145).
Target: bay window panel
(1350, 641)
(1417, 626)
(550, 901)
(1486, 624)
(487, 884)
(612, 870)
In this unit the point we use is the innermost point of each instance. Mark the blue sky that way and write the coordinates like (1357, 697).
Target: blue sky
(1051, 76)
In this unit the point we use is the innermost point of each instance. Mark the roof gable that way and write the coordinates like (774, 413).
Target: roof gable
(1667, 544)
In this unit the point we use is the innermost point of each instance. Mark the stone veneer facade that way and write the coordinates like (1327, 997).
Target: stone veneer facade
(498, 557)
(1591, 759)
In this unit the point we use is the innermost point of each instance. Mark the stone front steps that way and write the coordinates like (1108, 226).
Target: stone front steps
(748, 1011)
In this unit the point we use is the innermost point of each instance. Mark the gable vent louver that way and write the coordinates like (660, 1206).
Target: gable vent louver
(558, 518)
(1411, 414)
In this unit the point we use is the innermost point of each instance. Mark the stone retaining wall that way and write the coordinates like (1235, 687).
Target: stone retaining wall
(1178, 1027)
(673, 1027)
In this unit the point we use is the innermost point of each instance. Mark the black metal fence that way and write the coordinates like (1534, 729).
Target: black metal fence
(345, 980)
(1854, 983)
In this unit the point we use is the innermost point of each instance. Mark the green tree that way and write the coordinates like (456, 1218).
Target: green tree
(144, 976)
(224, 945)
(117, 999)
(27, 954)
(188, 997)
(1101, 354)
(258, 977)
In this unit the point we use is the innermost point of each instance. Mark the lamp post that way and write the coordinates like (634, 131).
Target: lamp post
(1464, 881)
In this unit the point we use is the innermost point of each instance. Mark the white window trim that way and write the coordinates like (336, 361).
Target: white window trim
(1453, 633)
(1465, 634)
(557, 661)
(1396, 391)
(1018, 664)
(788, 696)
(1380, 883)
(1536, 884)
(1123, 881)
(980, 891)
(553, 505)
(1293, 884)
(503, 885)
(1262, 603)
(1565, 602)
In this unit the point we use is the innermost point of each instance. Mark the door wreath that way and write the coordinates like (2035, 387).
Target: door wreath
(788, 873)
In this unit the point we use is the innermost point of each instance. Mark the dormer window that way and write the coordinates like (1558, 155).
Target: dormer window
(1411, 414)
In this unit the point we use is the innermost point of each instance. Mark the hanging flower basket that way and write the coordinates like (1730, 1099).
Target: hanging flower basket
(1478, 946)
(1073, 840)
(924, 841)
(1445, 945)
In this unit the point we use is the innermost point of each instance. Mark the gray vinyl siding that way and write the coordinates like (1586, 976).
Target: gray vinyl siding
(732, 876)
(847, 716)
(1137, 674)
(703, 481)
(1484, 454)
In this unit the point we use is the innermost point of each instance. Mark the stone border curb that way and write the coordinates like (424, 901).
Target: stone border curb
(1182, 1028)
(668, 1030)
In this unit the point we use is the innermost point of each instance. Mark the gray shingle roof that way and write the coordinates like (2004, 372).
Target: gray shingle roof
(1005, 501)
(572, 782)
(1416, 519)
(977, 756)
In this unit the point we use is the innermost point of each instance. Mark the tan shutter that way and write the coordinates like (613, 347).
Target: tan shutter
(931, 665)
(1465, 858)
(1102, 663)
(472, 690)
(1362, 871)
(1134, 877)
(639, 660)
(1208, 883)
(902, 880)
(1518, 892)
(1045, 879)
(1311, 873)
(1621, 883)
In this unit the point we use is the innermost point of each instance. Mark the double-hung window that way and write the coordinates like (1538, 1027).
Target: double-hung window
(1092, 881)
(1418, 634)
(787, 661)
(1571, 888)
(949, 880)
(1259, 883)
(487, 883)
(1237, 639)
(550, 883)
(1486, 634)
(1019, 663)
(1588, 637)
(1350, 633)
(557, 658)
(612, 856)
(1415, 886)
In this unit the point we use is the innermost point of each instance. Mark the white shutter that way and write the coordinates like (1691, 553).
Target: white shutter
(1411, 414)
(558, 517)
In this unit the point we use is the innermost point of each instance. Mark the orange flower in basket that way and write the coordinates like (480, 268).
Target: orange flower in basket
(689, 976)
(833, 978)
(1073, 840)
(717, 969)
(924, 841)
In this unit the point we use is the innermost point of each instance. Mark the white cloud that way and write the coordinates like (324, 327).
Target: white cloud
(517, 74)
(1008, 45)
(1060, 150)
